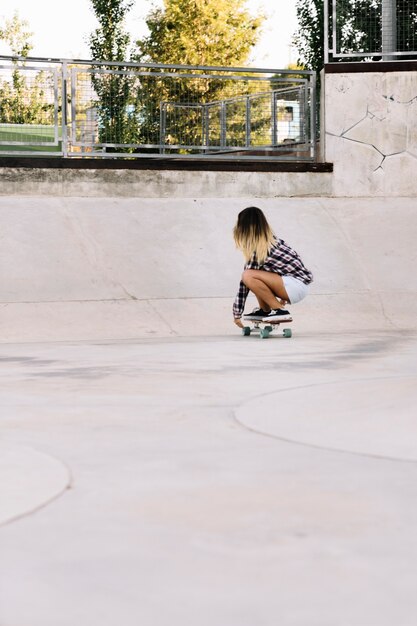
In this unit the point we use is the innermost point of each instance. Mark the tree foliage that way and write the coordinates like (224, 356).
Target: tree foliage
(309, 36)
(200, 32)
(358, 29)
(23, 101)
(24, 104)
(110, 42)
(406, 27)
(192, 32)
(16, 35)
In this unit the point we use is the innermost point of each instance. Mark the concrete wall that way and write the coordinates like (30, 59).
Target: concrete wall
(99, 268)
(370, 122)
(137, 253)
(161, 183)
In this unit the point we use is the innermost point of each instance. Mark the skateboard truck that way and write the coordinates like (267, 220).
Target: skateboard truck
(264, 329)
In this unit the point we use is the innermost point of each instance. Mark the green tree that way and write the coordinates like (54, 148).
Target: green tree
(358, 29)
(21, 103)
(309, 36)
(406, 27)
(110, 42)
(358, 26)
(23, 100)
(17, 36)
(193, 32)
(200, 32)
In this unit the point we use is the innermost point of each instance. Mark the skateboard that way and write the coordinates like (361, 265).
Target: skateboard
(264, 329)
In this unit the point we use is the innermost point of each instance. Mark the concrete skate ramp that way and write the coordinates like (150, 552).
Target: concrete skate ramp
(97, 268)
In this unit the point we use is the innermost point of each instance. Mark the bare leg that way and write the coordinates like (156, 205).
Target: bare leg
(268, 288)
(262, 304)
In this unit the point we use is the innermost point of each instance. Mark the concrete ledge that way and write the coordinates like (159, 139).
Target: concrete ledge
(377, 66)
(162, 183)
(161, 163)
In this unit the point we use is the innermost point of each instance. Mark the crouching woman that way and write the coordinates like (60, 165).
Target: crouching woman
(273, 272)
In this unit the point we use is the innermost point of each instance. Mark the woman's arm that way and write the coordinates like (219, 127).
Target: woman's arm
(240, 300)
(242, 294)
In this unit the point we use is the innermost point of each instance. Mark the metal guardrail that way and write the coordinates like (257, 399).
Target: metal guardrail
(370, 30)
(101, 109)
(285, 112)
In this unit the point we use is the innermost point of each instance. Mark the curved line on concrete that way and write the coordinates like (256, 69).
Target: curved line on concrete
(313, 446)
(69, 485)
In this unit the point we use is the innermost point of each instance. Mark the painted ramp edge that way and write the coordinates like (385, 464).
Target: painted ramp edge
(29, 481)
(374, 417)
(196, 317)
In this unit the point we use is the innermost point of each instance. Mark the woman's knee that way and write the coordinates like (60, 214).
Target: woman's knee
(248, 276)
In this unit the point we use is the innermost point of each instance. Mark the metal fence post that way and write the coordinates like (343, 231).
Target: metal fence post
(204, 127)
(274, 128)
(247, 123)
(389, 29)
(326, 30)
(162, 126)
(64, 109)
(223, 125)
(313, 114)
(334, 31)
(72, 119)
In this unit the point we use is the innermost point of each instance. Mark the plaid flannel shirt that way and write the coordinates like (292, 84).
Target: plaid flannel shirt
(282, 260)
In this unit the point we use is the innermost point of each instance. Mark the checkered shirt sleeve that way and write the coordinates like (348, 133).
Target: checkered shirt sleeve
(285, 261)
(242, 294)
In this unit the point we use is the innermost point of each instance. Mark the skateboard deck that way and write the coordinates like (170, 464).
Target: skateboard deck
(264, 329)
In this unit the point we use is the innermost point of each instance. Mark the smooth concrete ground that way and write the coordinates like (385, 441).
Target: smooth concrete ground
(159, 469)
(221, 480)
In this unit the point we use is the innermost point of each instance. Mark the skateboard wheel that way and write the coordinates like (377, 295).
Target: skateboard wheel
(269, 328)
(246, 331)
(264, 334)
(287, 332)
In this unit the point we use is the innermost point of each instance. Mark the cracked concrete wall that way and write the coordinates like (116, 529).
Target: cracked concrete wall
(370, 122)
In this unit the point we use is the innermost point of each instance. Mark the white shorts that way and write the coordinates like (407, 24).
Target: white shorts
(296, 289)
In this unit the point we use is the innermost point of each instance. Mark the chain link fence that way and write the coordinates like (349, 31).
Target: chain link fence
(80, 109)
(370, 29)
(30, 108)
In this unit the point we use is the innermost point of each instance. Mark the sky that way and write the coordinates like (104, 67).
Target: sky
(63, 32)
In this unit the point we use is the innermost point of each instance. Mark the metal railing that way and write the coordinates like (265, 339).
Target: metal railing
(275, 117)
(102, 109)
(370, 30)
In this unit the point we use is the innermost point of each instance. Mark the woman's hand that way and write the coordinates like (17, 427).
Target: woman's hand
(238, 322)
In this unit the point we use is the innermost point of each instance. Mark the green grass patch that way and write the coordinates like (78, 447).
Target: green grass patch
(39, 134)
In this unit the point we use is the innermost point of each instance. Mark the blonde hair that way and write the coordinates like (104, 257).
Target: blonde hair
(253, 234)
